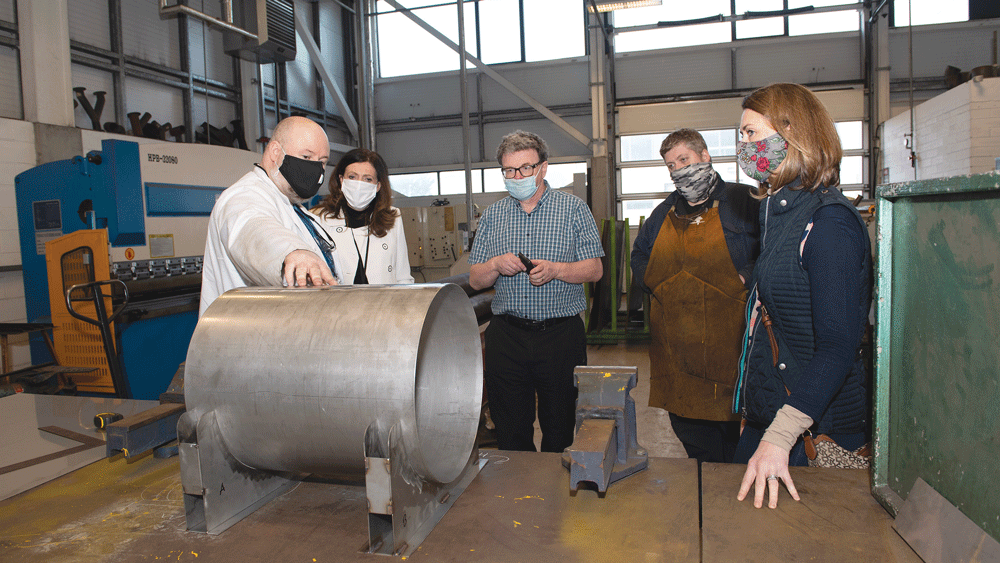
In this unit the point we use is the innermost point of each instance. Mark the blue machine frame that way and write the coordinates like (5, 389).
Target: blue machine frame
(105, 190)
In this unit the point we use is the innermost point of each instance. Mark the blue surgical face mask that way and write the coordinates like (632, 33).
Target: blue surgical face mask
(521, 188)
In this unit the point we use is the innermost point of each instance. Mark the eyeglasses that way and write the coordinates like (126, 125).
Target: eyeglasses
(526, 171)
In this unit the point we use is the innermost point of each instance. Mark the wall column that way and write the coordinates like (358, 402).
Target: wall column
(46, 80)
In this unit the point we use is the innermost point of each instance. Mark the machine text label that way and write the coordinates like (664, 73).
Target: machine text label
(164, 158)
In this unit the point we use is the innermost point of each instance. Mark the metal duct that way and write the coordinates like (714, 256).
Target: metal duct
(274, 23)
(295, 377)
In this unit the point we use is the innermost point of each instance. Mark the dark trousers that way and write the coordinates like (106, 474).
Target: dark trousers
(707, 440)
(522, 363)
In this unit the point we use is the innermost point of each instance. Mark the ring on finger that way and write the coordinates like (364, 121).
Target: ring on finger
(772, 477)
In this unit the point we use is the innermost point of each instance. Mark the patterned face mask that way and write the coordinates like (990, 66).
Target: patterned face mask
(695, 181)
(760, 158)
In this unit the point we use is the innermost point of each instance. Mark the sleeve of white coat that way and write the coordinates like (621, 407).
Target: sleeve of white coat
(255, 239)
(403, 274)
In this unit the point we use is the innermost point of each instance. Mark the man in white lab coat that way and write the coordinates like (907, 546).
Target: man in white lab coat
(258, 234)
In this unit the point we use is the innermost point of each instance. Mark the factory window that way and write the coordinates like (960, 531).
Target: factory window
(641, 147)
(415, 185)
(493, 33)
(677, 24)
(493, 180)
(759, 27)
(636, 209)
(453, 182)
(672, 36)
(644, 181)
(496, 45)
(544, 41)
(406, 48)
(823, 22)
(559, 175)
(929, 11)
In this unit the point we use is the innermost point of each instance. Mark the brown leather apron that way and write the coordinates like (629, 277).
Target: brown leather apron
(696, 318)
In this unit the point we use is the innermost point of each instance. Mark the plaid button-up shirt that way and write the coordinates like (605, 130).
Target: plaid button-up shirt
(560, 229)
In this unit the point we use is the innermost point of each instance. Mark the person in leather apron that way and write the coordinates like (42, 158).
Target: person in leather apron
(693, 256)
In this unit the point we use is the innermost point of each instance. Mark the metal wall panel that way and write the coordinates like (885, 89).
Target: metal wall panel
(442, 146)
(440, 93)
(404, 149)
(552, 84)
(964, 45)
(209, 51)
(559, 142)
(331, 49)
(89, 22)
(10, 90)
(806, 60)
(673, 71)
(300, 73)
(146, 36)
(7, 10)
(707, 68)
(437, 94)
(843, 105)
(222, 112)
(164, 103)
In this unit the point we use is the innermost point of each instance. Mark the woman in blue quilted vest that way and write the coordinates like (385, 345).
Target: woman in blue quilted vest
(801, 368)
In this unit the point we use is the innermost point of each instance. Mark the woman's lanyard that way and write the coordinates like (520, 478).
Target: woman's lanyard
(362, 275)
(325, 243)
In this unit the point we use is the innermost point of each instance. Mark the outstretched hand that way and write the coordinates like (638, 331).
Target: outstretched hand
(767, 467)
(302, 268)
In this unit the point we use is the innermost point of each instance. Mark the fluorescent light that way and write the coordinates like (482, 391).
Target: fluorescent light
(609, 5)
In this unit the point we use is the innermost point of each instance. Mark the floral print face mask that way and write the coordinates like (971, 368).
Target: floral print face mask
(759, 159)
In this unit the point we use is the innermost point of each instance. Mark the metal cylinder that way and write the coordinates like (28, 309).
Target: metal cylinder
(296, 376)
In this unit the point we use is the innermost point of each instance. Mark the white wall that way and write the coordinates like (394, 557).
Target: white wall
(17, 154)
(955, 133)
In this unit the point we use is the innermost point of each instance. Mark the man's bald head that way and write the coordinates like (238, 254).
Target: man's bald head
(299, 137)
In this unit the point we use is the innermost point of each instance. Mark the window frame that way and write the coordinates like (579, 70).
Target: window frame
(477, 47)
(733, 18)
(621, 198)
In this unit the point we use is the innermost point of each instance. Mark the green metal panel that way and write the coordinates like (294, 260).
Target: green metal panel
(937, 384)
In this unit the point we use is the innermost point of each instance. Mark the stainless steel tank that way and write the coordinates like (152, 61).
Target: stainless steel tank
(296, 376)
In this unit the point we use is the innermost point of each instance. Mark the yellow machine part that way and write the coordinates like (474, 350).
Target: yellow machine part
(79, 257)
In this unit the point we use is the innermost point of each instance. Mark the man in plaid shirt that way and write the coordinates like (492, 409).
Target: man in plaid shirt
(536, 336)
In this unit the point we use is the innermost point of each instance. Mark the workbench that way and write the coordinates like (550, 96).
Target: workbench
(518, 509)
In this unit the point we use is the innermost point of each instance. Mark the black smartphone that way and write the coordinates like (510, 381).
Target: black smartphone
(524, 260)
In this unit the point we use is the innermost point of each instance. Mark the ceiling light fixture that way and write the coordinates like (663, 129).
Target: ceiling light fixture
(609, 5)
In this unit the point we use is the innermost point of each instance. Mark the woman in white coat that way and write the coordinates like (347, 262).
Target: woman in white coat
(366, 229)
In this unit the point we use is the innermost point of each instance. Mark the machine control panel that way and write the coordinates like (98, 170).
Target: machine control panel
(160, 268)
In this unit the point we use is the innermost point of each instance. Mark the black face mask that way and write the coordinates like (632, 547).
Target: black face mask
(304, 176)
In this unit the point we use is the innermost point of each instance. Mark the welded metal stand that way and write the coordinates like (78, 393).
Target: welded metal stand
(219, 491)
(605, 449)
(403, 508)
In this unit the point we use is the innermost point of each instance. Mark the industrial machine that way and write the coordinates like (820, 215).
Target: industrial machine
(434, 239)
(389, 386)
(134, 212)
